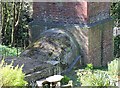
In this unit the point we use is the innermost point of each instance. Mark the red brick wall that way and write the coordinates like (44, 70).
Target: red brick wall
(71, 12)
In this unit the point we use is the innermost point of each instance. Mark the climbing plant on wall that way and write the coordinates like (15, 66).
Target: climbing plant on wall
(15, 19)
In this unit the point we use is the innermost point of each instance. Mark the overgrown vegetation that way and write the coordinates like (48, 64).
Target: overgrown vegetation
(115, 12)
(99, 77)
(11, 76)
(117, 46)
(114, 67)
(15, 19)
(65, 80)
(15, 32)
(89, 67)
(8, 51)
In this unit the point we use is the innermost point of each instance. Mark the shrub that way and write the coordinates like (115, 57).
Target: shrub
(65, 80)
(11, 76)
(114, 67)
(6, 51)
(97, 78)
(89, 67)
(117, 46)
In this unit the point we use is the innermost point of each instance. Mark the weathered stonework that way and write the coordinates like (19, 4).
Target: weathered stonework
(107, 42)
(98, 11)
(88, 22)
(101, 43)
(34, 69)
(96, 42)
(79, 29)
(95, 46)
(66, 31)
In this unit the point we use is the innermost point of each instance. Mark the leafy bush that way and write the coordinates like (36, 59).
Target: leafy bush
(6, 51)
(89, 67)
(11, 76)
(115, 12)
(114, 67)
(65, 80)
(97, 78)
(117, 46)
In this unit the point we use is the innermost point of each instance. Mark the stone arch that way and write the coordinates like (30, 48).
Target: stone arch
(62, 39)
(75, 48)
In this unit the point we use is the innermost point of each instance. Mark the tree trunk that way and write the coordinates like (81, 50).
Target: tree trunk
(0, 23)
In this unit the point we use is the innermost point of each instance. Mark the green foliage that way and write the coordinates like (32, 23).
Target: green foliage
(11, 76)
(65, 80)
(97, 78)
(114, 67)
(89, 67)
(15, 19)
(115, 12)
(6, 51)
(117, 46)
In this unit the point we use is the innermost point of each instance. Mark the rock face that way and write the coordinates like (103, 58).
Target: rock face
(52, 53)
(34, 69)
(53, 44)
